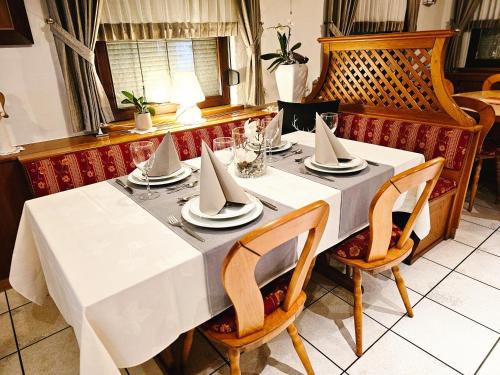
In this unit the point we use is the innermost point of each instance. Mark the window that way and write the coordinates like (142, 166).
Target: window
(146, 68)
(484, 48)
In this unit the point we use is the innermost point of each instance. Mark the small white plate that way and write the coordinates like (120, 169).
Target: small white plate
(310, 165)
(228, 212)
(283, 146)
(186, 172)
(137, 173)
(353, 163)
(228, 223)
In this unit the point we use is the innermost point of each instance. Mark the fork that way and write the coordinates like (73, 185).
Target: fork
(172, 220)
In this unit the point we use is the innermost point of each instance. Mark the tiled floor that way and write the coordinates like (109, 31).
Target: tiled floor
(454, 289)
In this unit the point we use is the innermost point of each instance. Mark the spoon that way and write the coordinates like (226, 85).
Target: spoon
(185, 186)
(296, 152)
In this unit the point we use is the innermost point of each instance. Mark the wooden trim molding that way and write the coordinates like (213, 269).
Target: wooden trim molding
(14, 25)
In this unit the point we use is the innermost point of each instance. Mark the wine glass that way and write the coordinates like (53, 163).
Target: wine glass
(143, 155)
(331, 119)
(270, 135)
(224, 150)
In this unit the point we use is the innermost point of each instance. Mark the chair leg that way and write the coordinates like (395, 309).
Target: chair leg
(402, 290)
(299, 348)
(475, 183)
(186, 347)
(358, 311)
(234, 360)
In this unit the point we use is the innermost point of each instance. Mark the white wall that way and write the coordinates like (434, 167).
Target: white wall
(307, 18)
(31, 80)
(435, 17)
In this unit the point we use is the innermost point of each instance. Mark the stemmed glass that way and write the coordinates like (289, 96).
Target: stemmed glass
(224, 150)
(331, 119)
(270, 135)
(143, 155)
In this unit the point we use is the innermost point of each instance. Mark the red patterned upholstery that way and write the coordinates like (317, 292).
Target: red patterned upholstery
(356, 246)
(430, 140)
(273, 296)
(443, 186)
(68, 171)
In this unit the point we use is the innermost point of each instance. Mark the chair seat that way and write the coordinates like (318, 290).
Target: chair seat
(356, 246)
(273, 296)
(443, 186)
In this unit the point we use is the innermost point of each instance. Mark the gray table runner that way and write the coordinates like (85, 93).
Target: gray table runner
(357, 189)
(218, 242)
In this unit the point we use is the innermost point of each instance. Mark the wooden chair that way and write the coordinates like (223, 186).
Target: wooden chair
(383, 245)
(448, 85)
(486, 115)
(253, 329)
(488, 82)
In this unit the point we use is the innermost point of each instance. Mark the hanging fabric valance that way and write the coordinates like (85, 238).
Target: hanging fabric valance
(378, 16)
(162, 19)
(487, 16)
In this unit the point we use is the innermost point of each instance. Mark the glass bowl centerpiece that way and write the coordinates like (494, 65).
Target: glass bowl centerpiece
(250, 149)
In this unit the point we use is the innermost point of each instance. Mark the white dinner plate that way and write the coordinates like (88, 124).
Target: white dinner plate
(310, 165)
(228, 212)
(186, 172)
(283, 146)
(218, 224)
(352, 163)
(137, 173)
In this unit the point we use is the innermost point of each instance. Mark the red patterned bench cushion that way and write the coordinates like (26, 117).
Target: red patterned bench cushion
(72, 170)
(443, 186)
(430, 140)
(273, 296)
(356, 246)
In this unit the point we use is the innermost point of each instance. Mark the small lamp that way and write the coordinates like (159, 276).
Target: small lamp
(187, 92)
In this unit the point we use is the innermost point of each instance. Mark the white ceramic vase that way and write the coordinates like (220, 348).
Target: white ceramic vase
(291, 81)
(143, 121)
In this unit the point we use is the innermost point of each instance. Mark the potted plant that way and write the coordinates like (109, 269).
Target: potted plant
(143, 111)
(290, 66)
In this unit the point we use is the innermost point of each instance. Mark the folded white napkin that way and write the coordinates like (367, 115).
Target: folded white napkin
(276, 122)
(216, 185)
(166, 158)
(328, 148)
(2, 112)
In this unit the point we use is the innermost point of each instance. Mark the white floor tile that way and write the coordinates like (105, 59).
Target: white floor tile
(449, 253)
(472, 234)
(279, 357)
(454, 339)
(393, 355)
(328, 324)
(482, 266)
(470, 298)
(488, 217)
(203, 358)
(147, 368)
(492, 244)
(492, 364)
(381, 299)
(422, 275)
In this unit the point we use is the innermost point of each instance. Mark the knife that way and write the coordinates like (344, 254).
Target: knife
(124, 185)
(268, 204)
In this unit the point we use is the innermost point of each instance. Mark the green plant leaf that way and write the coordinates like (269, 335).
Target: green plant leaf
(269, 56)
(151, 110)
(295, 46)
(126, 101)
(128, 95)
(275, 64)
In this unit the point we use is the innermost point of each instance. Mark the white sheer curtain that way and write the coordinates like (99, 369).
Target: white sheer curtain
(166, 19)
(376, 16)
(487, 15)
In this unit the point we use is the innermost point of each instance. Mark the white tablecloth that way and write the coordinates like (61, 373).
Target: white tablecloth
(126, 283)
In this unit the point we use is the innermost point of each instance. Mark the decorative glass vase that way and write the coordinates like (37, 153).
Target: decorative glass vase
(249, 151)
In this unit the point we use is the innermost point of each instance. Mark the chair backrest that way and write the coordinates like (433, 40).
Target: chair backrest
(238, 269)
(448, 85)
(383, 203)
(488, 82)
(484, 110)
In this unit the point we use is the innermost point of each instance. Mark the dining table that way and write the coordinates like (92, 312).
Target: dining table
(129, 284)
(491, 97)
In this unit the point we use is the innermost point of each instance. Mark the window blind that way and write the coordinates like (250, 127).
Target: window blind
(146, 67)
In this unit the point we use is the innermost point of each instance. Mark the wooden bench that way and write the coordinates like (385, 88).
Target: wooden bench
(392, 92)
